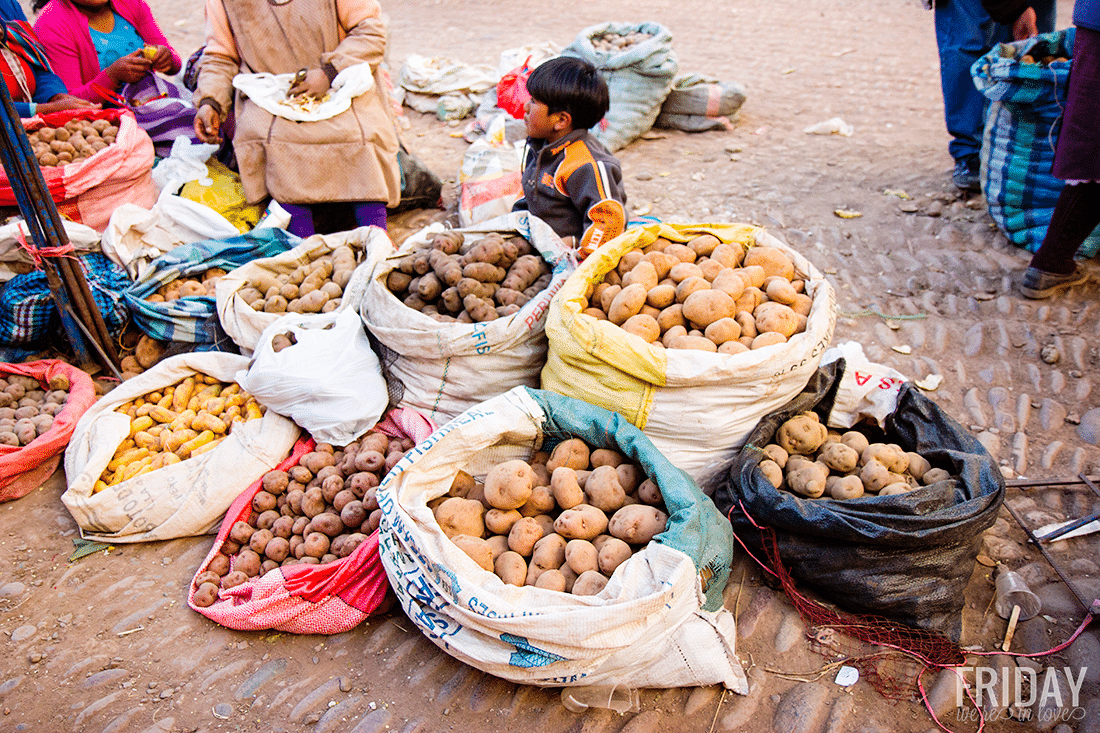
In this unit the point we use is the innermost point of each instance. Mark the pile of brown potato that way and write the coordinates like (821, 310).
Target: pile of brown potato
(28, 409)
(76, 141)
(454, 280)
(147, 352)
(175, 423)
(704, 295)
(187, 287)
(810, 460)
(317, 287)
(564, 521)
(610, 42)
(317, 512)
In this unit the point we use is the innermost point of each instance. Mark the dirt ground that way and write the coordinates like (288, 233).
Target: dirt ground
(107, 644)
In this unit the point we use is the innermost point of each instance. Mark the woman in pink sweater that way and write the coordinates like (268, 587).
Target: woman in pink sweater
(96, 45)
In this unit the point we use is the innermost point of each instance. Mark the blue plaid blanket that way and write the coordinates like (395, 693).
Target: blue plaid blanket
(194, 319)
(1021, 133)
(27, 313)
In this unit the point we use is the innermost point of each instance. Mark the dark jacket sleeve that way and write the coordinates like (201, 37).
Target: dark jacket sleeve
(1005, 11)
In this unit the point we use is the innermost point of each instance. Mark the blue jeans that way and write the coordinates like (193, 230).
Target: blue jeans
(964, 33)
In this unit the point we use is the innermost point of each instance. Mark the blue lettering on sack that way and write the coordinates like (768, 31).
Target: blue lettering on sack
(526, 654)
(481, 339)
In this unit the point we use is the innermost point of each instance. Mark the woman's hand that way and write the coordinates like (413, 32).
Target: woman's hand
(129, 69)
(315, 84)
(208, 124)
(162, 60)
(1025, 26)
(59, 102)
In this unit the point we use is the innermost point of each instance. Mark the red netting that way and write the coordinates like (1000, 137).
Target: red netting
(902, 653)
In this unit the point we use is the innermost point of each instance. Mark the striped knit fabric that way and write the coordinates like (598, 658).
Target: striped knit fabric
(1021, 134)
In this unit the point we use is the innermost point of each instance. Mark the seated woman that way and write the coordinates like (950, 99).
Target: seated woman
(96, 46)
(34, 88)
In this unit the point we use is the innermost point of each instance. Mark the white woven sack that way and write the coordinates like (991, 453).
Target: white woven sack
(447, 368)
(245, 325)
(183, 499)
(723, 397)
(645, 629)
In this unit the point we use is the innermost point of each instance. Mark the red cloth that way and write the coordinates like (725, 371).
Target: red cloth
(63, 31)
(308, 599)
(24, 468)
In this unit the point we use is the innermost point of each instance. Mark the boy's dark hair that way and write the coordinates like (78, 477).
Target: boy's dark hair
(567, 84)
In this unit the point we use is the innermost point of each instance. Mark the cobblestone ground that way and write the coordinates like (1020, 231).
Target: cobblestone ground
(107, 645)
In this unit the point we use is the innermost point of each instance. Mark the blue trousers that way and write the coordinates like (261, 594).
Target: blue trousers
(964, 33)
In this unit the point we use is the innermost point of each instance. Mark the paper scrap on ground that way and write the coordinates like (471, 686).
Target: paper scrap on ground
(834, 126)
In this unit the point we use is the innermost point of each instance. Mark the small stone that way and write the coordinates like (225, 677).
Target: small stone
(909, 207)
(1083, 566)
(312, 718)
(1088, 430)
(153, 685)
(23, 632)
(934, 209)
(223, 710)
(10, 590)
(316, 660)
(34, 657)
(165, 694)
(1050, 354)
(1073, 418)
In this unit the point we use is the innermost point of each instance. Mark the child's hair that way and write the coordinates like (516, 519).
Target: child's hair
(566, 84)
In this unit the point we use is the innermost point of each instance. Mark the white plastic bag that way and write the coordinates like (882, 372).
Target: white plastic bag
(867, 390)
(183, 499)
(186, 162)
(269, 92)
(329, 382)
(490, 176)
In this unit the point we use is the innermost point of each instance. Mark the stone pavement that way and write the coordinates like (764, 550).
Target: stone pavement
(107, 645)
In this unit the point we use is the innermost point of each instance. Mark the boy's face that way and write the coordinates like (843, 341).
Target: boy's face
(542, 125)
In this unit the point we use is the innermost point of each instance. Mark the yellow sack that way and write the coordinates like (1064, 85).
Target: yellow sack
(696, 407)
(224, 195)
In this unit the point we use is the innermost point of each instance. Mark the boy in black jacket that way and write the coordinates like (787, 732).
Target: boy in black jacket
(570, 180)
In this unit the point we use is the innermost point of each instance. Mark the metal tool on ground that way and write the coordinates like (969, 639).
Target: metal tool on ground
(80, 316)
(1090, 606)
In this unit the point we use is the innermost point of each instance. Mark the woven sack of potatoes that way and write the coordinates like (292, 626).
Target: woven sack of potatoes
(180, 497)
(695, 385)
(656, 621)
(342, 282)
(446, 365)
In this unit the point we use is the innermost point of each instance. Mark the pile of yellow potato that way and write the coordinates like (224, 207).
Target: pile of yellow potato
(75, 141)
(175, 423)
(187, 287)
(455, 280)
(317, 287)
(704, 295)
(563, 521)
(28, 410)
(812, 461)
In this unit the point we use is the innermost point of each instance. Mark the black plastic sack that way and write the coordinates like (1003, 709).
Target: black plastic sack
(906, 557)
(420, 188)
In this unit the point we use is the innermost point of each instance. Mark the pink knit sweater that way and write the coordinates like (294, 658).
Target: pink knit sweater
(63, 30)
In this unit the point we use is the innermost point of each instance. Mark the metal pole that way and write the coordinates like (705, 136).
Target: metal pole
(67, 284)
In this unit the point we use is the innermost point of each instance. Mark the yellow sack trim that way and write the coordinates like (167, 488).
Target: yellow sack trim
(613, 368)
